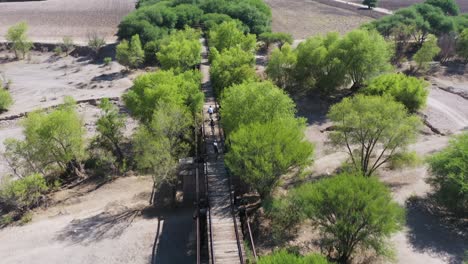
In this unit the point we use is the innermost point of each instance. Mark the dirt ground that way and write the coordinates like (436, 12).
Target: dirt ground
(92, 224)
(305, 18)
(51, 20)
(397, 4)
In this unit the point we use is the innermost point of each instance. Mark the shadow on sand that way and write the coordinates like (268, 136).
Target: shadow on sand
(434, 233)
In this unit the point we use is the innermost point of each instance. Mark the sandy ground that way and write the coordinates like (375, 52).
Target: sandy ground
(305, 18)
(51, 20)
(87, 226)
(396, 4)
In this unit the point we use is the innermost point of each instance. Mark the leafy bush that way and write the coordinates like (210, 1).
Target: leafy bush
(54, 142)
(5, 99)
(107, 61)
(462, 47)
(254, 102)
(20, 43)
(233, 66)
(281, 68)
(410, 91)
(284, 257)
(405, 159)
(449, 175)
(352, 213)
(282, 146)
(426, 53)
(180, 50)
(227, 35)
(152, 89)
(277, 37)
(130, 54)
(22, 194)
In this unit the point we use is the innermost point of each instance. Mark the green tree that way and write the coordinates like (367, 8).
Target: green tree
(5, 99)
(319, 66)
(426, 53)
(20, 43)
(364, 54)
(260, 153)
(373, 129)
(352, 212)
(232, 66)
(449, 7)
(410, 91)
(181, 50)
(110, 130)
(53, 142)
(254, 102)
(279, 38)
(462, 46)
(160, 145)
(153, 89)
(449, 175)
(123, 53)
(284, 257)
(370, 3)
(227, 35)
(281, 68)
(137, 55)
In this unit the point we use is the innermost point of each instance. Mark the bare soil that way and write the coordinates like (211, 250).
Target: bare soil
(305, 18)
(397, 4)
(51, 20)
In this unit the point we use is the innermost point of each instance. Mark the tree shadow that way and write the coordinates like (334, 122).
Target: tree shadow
(105, 225)
(109, 77)
(434, 232)
(174, 241)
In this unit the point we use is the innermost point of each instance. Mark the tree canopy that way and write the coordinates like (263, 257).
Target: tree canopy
(227, 35)
(180, 50)
(410, 91)
(260, 153)
(449, 175)
(372, 129)
(427, 52)
(230, 67)
(20, 43)
(130, 54)
(54, 142)
(154, 89)
(254, 102)
(281, 68)
(352, 212)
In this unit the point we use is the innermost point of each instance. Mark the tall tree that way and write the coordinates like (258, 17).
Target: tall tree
(427, 53)
(372, 129)
(227, 35)
(352, 213)
(364, 54)
(254, 102)
(281, 68)
(261, 153)
(180, 51)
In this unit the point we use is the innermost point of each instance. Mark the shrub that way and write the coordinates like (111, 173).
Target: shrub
(20, 43)
(54, 142)
(227, 35)
(284, 257)
(410, 91)
(22, 194)
(96, 42)
(426, 53)
(405, 159)
(277, 37)
(352, 212)
(462, 47)
(67, 45)
(5, 99)
(253, 102)
(107, 61)
(130, 54)
(58, 51)
(233, 66)
(449, 175)
(180, 51)
(282, 146)
(281, 68)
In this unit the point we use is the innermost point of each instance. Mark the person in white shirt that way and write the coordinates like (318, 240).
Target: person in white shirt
(210, 110)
